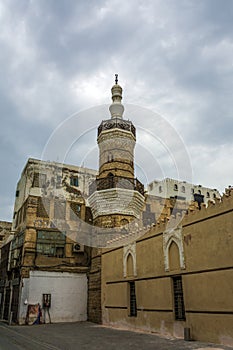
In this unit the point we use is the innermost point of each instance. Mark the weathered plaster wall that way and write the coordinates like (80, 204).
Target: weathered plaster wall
(68, 295)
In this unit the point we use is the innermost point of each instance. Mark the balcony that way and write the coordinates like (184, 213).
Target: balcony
(117, 123)
(116, 182)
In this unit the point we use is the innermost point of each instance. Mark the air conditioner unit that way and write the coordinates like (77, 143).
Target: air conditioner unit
(77, 248)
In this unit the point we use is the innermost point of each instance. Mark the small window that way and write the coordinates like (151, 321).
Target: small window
(59, 181)
(178, 299)
(207, 194)
(192, 190)
(132, 302)
(35, 182)
(214, 195)
(75, 211)
(175, 187)
(183, 189)
(17, 193)
(160, 189)
(74, 181)
(199, 191)
(43, 179)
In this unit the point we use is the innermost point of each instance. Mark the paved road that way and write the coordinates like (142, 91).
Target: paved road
(86, 335)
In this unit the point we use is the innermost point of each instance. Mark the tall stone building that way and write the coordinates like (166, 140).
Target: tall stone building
(46, 254)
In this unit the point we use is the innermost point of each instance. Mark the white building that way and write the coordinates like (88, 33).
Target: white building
(171, 188)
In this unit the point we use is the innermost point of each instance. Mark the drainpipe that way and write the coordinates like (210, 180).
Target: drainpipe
(10, 302)
(3, 300)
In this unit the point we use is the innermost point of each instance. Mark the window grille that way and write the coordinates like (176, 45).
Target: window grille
(51, 243)
(178, 299)
(133, 304)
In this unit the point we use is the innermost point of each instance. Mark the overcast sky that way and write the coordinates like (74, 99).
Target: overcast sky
(174, 58)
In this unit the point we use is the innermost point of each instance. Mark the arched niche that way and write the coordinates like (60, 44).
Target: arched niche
(173, 239)
(129, 260)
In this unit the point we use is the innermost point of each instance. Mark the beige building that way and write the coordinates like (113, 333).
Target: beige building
(46, 253)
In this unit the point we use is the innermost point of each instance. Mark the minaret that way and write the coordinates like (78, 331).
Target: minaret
(116, 197)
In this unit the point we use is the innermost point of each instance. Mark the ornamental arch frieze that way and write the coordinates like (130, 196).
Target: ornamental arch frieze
(169, 237)
(129, 251)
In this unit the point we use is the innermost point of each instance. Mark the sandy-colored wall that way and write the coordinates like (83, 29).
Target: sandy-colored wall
(207, 278)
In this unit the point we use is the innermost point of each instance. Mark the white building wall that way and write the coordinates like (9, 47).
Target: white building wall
(68, 295)
(167, 188)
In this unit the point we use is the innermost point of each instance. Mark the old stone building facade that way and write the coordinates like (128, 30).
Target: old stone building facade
(45, 253)
(5, 231)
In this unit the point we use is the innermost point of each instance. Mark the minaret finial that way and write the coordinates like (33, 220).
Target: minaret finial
(116, 79)
(116, 108)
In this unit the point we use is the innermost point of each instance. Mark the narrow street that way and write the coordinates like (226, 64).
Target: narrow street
(89, 336)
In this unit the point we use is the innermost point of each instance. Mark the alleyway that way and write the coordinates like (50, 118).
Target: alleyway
(85, 335)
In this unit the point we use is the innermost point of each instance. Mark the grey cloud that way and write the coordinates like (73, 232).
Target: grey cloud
(172, 55)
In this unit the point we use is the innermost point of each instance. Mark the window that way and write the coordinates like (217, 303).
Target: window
(17, 193)
(199, 191)
(178, 299)
(183, 189)
(39, 180)
(207, 194)
(51, 243)
(132, 301)
(74, 181)
(214, 195)
(160, 189)
(59, 181)
(43, 207)
(175, 187)
(75, 211)
(192, 190)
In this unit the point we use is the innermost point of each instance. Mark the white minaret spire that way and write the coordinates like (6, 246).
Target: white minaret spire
(116, 108)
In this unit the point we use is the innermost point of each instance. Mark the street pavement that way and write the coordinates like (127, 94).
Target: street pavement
(86, 335)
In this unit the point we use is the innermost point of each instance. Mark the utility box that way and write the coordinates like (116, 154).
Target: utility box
(46, 299)
(187, 335)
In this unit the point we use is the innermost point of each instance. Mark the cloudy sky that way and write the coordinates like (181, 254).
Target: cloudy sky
(174, 60)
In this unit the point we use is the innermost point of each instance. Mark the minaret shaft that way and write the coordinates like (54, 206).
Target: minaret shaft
(117, 197)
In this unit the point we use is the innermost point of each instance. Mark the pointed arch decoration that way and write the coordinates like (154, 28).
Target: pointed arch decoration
(129, 249)
(169, 236)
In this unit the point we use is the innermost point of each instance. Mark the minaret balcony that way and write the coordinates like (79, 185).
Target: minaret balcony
(116, 182)
(117, 123)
